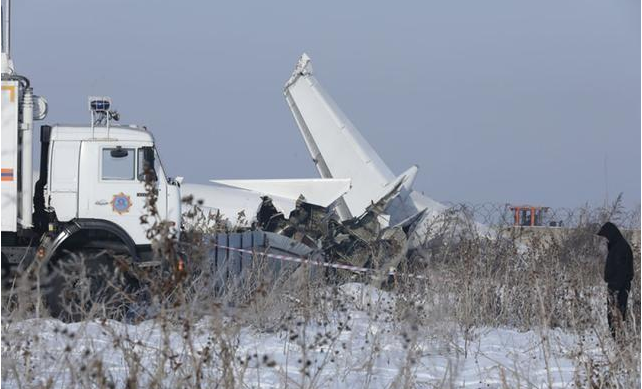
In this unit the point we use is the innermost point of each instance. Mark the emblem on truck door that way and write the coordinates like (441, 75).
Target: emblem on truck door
(121, 203)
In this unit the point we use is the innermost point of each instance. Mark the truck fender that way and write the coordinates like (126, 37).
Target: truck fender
(50, 245)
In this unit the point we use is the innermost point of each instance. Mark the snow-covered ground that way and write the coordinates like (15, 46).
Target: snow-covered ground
(359, 347)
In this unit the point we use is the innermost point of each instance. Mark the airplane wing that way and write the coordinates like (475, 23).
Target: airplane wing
(230, 197)
(316, 191)
(230, 201)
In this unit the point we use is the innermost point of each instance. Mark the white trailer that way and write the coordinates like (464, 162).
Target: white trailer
(9, 155)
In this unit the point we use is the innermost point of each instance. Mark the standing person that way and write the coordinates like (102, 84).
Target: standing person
(618, 273)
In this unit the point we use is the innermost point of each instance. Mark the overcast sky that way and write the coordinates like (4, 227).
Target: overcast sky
(500, 101)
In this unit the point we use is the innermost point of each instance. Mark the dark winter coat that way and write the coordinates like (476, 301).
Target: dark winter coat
(618, 271)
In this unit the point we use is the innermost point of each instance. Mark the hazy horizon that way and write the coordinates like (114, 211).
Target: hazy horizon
(499, 101)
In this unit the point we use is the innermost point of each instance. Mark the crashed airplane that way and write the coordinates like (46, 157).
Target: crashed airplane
(358, 193)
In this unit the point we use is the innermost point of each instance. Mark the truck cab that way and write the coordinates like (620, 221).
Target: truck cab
(105, 173)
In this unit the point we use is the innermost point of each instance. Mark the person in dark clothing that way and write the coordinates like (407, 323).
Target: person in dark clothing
(618, 273)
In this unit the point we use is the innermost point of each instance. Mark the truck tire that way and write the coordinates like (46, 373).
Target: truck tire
(84, 284)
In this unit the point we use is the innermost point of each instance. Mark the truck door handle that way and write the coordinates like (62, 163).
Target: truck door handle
(102, 202)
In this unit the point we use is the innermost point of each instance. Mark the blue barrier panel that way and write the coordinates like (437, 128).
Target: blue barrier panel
(221, 261)
(227, 263)
(247, 243)
(234, 257)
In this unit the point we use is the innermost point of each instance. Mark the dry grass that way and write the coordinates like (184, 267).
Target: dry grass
(549, 284)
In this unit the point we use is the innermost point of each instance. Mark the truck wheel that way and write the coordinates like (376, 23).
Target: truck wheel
(84, 284)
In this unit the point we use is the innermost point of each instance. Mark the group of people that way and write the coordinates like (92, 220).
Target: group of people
(618, 273)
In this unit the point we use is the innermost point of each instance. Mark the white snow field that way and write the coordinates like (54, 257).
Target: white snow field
(359, 345)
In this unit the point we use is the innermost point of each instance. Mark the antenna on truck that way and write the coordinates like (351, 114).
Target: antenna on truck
(7, 64)
(6, 28)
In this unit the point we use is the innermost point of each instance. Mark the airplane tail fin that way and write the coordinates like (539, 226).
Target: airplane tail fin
(336, 146)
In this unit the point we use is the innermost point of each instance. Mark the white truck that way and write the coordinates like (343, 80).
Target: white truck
(90, 192)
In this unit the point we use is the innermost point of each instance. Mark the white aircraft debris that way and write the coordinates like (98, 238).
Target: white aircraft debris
(233, 197)
(354, 182)
(340, 151)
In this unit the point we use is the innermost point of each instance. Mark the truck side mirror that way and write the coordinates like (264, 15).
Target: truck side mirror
(118, 152)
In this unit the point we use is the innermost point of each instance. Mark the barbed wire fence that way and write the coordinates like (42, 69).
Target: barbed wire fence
(498, 214)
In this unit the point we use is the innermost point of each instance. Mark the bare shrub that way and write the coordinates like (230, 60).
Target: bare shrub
(183, 328)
